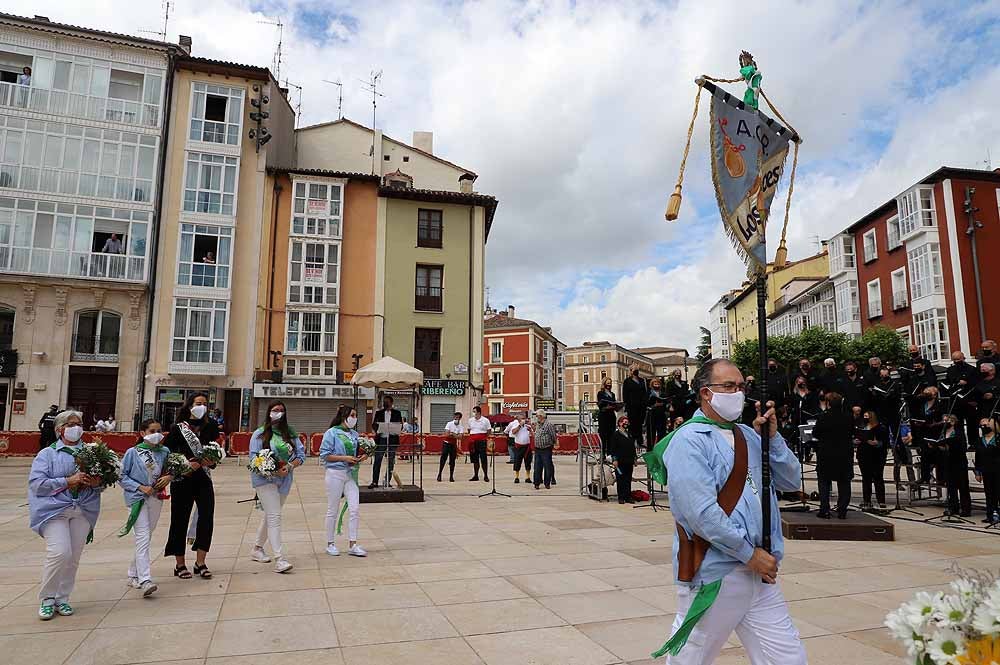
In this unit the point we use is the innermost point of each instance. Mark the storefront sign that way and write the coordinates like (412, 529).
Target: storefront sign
(310, 391)
(8, 363)
(148, 409)
(461, 368)
(316, 207)
(547, 404)
(17, 407)
(515, 405)
(245, 409)
(443, 387)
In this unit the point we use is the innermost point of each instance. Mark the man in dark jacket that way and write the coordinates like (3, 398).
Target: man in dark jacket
(854, 387)
(871, 372)
(635, 394)
(959, 385)
(623, 456)
(808, 373)
(385, 443)
(46, 428)
(777, 383)
(987, 392)
(834, 433)
(987, 353)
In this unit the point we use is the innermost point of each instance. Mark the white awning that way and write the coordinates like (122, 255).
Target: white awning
(388, 374)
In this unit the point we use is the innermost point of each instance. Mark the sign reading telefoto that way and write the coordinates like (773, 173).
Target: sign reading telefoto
(310, 391)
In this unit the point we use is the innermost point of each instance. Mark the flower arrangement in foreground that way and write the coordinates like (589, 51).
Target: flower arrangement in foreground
(213, 453)
(97, 460)
(264, 463)
(961, 627)
(176, 466)
(366, 446)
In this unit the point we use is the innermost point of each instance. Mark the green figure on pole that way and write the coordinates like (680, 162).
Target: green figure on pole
(752, 76)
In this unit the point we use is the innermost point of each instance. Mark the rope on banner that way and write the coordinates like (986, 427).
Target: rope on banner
(782, 252)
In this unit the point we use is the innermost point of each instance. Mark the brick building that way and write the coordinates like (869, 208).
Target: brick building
(588, 364)
(523, 365)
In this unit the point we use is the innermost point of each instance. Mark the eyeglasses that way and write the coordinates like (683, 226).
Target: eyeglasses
(728, 386)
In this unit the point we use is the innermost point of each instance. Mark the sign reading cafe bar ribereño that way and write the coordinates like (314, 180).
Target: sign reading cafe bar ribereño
(310, 391)
(443, 387)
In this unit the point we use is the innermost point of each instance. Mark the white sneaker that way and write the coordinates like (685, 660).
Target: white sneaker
(357, 551)
(332, 550)
(282, 566)
(133, 583)
(148, 588)
(259, 555)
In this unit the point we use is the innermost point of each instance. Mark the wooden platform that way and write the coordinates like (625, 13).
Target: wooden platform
(404, 494)
(857, 526)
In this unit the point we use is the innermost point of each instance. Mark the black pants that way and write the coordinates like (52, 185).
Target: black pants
(449, 452)
(991, 486)
(871, 462)
(635, 421)
(544, 470)
(957, 480)
(843, 495)
(901, 457)
(477, 451)
(624, 480)
(606, 430)
(380, 452)
(657, 428)
(928, 458)
(195, 490)
(522, 454)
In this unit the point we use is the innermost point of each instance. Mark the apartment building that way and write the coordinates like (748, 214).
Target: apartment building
(718, 325)
(522, 365)
(587, 365)
(666, 359)
(82, 135)
(805, 302)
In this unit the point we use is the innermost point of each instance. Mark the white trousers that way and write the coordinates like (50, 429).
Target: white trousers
(270, 526)
(65, 537)
(143, 530)
(340, 482)
(756, 611)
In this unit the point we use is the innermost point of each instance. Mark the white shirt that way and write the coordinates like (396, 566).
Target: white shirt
(454, 428)
(522, 436)
(480, 425)
(24, 79)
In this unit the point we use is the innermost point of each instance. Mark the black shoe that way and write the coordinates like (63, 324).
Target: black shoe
(841, 516)
(965, 513)
(517, 480)
(473, 478)
(486, 478)
(538, 487)
(824, 516)
(510, 461)
(988, 520)
(553, 482)
(547, 487)
(373, 486)
(439, 477)
(628, 500)
(621, 501)
(452, 479)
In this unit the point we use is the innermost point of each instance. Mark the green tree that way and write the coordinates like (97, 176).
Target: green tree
(818, 344)
(705, 347)
(880, 341)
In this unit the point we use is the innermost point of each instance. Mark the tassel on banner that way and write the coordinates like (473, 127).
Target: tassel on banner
(674, 205)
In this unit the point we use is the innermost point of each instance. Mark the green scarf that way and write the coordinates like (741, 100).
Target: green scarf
(73, 493)
(349, 449)
(707, 594)
(136, 507)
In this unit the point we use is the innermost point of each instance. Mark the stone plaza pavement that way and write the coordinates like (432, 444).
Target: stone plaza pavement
(543, 578)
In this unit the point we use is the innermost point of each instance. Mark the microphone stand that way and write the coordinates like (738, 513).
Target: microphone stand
(896, 440)
(493, 472)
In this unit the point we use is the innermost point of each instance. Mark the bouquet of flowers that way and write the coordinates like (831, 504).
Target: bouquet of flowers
(264, 463)
(366, 446)
(176, 466)
(97, 460)
(212, 453)
(957, 628)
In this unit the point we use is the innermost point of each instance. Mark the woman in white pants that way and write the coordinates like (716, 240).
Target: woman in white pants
(64, 504)
(141, 483)
(339, 451)
(282, 440)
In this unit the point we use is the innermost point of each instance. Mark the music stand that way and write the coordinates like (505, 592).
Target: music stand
(493, 480)
(392, 429)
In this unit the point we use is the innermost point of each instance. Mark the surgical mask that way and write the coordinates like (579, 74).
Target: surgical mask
(72, 434)
(456, 421)
(351, 422)
(153, 439)
(728, 405)
(276, 416)
(198, 411)
(985, 429)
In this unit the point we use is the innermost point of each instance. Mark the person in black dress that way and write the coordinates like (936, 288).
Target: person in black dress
(623, 458)
(803, 406)
(952, 451)
(607, 405)
(658, 405)
(987, 466)
(873, 447)
(927, 423)
(835, 463)
(635, 395)
(192, 431)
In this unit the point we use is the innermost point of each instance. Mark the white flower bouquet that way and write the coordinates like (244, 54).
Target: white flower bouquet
(264, 463)
(97, 460)
(212, 453)
(961, 627)
(366, 446)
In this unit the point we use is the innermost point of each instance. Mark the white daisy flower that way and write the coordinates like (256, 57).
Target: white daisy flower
(986, 618)
(901, 629)
(946, 646)
(952, 611)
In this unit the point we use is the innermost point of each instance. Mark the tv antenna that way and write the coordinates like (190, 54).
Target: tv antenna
(371, 85)
(340, 96)
(819, 243)
(162, 34)
(298, 105)
(277, 51)
(989, 161)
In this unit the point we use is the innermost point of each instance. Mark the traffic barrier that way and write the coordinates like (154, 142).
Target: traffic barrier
(239, 442)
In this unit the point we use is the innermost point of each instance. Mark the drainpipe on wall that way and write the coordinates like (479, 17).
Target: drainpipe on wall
(472, 265)
(276, 201)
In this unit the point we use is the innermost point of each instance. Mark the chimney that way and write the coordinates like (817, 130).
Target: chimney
(39, 17)
(424, 141)
(465, 183)
(184, 41)
(510, 311)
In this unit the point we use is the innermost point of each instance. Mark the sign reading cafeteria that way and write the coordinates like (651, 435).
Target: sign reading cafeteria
(310, 391)
(515, 405)
(443, 387)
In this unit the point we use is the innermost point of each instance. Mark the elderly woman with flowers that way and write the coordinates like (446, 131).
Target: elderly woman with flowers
(64, 504)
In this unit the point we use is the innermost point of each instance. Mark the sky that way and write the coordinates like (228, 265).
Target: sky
(574, 114)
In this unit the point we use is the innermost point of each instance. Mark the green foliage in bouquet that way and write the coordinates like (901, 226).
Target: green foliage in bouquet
(97, 460)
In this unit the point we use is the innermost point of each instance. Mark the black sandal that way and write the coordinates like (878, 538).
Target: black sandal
(203, 572)
(182, 572)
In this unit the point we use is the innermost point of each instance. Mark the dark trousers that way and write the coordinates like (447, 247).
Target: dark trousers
(843, 495)
(657, 428)
(872, 465)
(195, 490)
(957, 480)
(624, 480)
(635, 421)
(477, 451)
(991, 486)
(449, 452)
(380, 452)
(522, 454)
(606, 431)
(544, 470)
(928, 458)
(901, 457)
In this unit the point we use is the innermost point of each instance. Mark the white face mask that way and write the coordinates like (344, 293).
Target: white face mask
(153, 439)
(276, 416)
(351, 421)
(198, 412)
(456, 421)
(728, 405)
(72, 433)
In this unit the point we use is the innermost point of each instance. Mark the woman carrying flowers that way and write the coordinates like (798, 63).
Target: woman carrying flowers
(142, 482)
(277, 437)
(340, 453)
(64, 503)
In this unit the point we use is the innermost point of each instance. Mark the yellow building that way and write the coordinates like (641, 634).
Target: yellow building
(742, 307)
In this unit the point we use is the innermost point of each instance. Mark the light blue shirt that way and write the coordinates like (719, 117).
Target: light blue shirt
(48, 488)
(284, 484)
(333, 444)
(699, 460)
(135, 472)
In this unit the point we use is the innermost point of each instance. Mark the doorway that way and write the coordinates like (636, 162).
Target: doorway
(94, 391)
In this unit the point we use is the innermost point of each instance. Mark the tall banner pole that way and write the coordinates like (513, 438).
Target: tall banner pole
(765, 428)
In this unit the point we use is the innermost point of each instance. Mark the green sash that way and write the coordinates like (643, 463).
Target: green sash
(350, 450)
(136, 507)
(73, 493)
(654, 458)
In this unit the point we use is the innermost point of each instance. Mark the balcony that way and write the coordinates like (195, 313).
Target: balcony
(95, 348)
(874, 309)
(899, 300)
(429, 299)
(64, 263)
(60, 102)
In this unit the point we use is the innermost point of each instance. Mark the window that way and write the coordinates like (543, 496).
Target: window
(210, 184)
(586, 397)
(870, 245)
(905, 335)
(586, 377)
(892, 231)
(314, 273)
(199, 331)
(899, 294)
(604, 358)
(496, 352)
(429, 294)
(311, 332)
(216, 112)
(6, 329)
(96, 336)
(916, 210)
(925, 271)
(427, 351)
(429, 228)
(841, 254)
(930, 330)
(204, 256)
(846, 296)
(874, 299)
(306, 367)
(496, 383)
(317, 209)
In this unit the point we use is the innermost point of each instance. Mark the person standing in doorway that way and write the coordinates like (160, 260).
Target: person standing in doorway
(479, 429)
(635, 394)
(385, 443)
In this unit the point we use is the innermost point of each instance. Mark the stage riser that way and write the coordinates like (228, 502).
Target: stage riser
(857, 526)
(404, 494)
